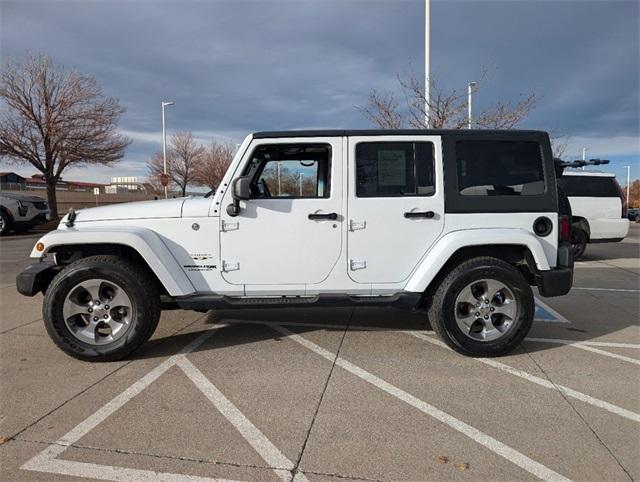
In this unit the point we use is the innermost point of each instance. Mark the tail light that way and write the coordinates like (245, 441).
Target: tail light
(623, 199)
(565, 228)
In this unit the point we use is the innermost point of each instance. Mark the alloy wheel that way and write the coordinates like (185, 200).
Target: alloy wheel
(485, 310)
(97, 311)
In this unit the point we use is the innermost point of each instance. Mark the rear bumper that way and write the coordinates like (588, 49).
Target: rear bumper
(608, 230)
(557, 281)
(36, 278)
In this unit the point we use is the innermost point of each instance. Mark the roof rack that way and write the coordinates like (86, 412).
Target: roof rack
(562, 165)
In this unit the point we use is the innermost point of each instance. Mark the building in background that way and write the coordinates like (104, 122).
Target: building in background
(10, 181)
(125, 184)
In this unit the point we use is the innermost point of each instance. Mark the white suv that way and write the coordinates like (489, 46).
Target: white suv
(598, 207)
(21, 212)
(457, 223)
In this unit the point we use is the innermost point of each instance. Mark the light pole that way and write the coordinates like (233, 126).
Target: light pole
(470, 87)
(427, 66)
(164, 145)
(628, 183)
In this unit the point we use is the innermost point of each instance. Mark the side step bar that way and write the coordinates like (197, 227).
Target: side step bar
(218, 302)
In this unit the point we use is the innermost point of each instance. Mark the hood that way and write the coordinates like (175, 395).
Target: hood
(22, 197)
(165, 208)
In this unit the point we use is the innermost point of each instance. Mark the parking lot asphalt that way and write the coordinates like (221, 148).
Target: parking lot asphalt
(331, 394)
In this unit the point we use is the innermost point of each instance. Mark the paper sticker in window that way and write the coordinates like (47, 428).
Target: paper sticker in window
(391, 168)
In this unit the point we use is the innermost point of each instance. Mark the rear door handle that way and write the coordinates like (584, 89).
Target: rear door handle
(419, 214)
(317, 216)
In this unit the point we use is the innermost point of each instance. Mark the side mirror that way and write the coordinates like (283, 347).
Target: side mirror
(240, 190)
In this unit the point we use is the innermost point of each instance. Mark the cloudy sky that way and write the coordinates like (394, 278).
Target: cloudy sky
(233, 67)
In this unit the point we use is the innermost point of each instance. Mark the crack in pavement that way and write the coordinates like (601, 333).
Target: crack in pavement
(89, 387)
(580, 416)
(296, 466)
(20, 326)
(157, 456)
(191, 459)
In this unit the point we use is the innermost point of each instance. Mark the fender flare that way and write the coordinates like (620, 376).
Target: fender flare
(448, 244)
(145, 242)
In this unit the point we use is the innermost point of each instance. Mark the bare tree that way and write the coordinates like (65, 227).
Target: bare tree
(559, 143)
(213, 165)
(447, 107)
(52, 119)
(183, 156)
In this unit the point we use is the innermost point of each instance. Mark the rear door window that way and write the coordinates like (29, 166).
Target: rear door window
(500, 168)
(589, 186)
(394, 169)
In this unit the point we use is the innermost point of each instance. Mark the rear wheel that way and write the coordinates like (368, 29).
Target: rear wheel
(483, 307)
(579, 241)
(101, 308)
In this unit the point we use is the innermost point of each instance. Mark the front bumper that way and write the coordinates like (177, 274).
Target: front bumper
(36, 278)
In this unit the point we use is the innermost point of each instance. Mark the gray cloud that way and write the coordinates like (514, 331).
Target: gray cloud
(236, 67)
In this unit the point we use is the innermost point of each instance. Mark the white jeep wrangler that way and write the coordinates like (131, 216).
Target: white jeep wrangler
(458, 223)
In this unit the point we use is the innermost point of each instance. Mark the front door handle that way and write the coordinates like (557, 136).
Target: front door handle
(419, 214)
(317, 216)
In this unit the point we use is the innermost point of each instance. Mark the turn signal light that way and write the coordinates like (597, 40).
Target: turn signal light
(40, 247)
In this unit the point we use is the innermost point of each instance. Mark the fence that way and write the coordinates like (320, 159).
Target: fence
(84, 199)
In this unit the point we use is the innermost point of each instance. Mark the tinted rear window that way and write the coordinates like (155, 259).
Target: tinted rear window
(392, 169)
(500, 168)
(589, 186)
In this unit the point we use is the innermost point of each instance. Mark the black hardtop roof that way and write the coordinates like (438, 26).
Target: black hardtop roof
(397, 132)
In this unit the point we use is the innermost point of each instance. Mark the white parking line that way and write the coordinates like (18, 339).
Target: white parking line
(584, 346)
(588, 343)
(596, 402)
(252, 434)
(108, 472)
(497, 447)
(47, 461)
(423, 335)
(427, 332)
(605, 289)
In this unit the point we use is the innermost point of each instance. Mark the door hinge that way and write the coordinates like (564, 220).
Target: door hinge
(356, 265)
(226, 267)
(356, 225)
(227, 226)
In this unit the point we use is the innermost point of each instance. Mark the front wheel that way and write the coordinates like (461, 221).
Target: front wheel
(101, 308)
(484, 307)
(5, 224)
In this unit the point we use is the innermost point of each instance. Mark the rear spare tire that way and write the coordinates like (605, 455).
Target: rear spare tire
(484, 307)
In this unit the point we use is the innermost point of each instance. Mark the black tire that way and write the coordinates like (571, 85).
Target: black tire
(579, 240)
(5, 225)
(443, 305)
(142, 292)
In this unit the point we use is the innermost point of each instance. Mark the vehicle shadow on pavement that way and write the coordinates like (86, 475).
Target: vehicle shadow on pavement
(245, 326)
(240, 327)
